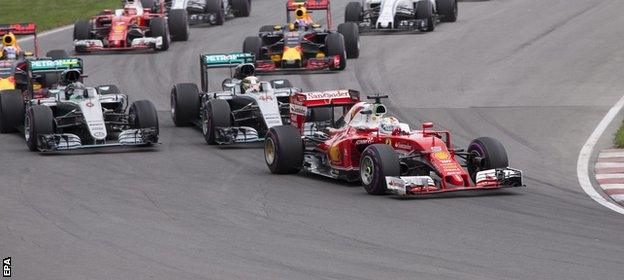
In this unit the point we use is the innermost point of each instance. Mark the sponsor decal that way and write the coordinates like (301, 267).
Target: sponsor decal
(388, 141)
(265, 97)
(228, 58)
(98, 134)
(364, 141)
(317, 95)
(442, 155)
(298, 109)
(89, 104)
(403, 146)
(436, 149)
(55, 64)
(334, 153)
(6, 267)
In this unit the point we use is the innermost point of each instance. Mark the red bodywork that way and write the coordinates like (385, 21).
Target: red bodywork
(345, 145)
(310, 5)
(114, 29)
(21, 29)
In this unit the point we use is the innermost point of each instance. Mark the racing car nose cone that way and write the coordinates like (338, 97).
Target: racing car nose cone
(456, 180)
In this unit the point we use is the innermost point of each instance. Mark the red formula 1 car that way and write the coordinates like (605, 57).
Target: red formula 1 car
(304, 44)
(367, 144)
(131, 28)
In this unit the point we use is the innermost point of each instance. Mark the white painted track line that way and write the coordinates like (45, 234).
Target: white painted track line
(582, 165)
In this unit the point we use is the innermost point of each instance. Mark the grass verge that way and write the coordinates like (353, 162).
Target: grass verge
(48, 14)
(619, 137)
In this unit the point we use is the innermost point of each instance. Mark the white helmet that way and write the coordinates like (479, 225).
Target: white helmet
(251, 83)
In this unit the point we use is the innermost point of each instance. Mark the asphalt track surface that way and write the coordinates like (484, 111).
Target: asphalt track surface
(536, 75)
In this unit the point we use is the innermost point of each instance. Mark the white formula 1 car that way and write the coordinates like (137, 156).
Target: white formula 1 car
(400, 15)
(234, 114)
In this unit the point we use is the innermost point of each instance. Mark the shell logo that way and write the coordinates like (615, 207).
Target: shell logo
(334, 153)
(442, 155)
(388, 141)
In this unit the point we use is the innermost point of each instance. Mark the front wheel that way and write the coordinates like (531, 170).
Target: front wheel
(178, 25)
(351, 33)
(11, 110)
(447, 10)
(486, 153)
(39, 120)
(283, 150)
(184, 104)
(241, 8)
(335, 45)
(216, 114)
(377, 162)
(158, 28)
(215, 7)
(424, 11)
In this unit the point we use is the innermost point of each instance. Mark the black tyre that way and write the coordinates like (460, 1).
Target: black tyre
(447, 10)
(334, 43)
(283, 150)
(149, 4)
(39, 120)
(184, 104)
(57, 54)
(142, 114)
(82, 30)
(108, 89)
(377, 162)
(424, 10)
(491, 152)
(178, 25)
(11, 110)
(280, 83)
(241, 8)
(266, 28)
(158, 28)
(253, 45)
(353, 12)
(216, 114)
(216, 7)
(351, 33)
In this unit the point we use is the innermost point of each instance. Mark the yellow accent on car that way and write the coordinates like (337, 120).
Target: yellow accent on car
(6, 84)
(320, 55)
(276, 58)
(291, 54)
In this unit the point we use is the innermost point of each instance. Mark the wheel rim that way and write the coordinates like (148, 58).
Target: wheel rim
(269, 151)
(173, 105)
(205, 124)
(27, 128)
(367, 169)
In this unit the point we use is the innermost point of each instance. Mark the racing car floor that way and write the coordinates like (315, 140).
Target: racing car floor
(537, 77)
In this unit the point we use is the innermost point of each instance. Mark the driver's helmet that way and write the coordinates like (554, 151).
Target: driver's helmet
(75, 90)
(251, 84)
(388, 124)
(130, 10)
(10, 52)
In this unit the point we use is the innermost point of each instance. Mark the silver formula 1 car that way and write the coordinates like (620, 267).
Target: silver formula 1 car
(72, 116)
(236, 113)
(214, 12)
(400, 15)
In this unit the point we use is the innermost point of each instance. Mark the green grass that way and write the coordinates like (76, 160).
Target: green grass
(48, 14)
(619, 137)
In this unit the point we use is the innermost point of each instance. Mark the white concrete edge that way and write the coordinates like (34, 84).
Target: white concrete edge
(610, 176)
(611, 154)
(609, 165)
(618, 197)
(612, 186)
(582, 165)
(47, 33)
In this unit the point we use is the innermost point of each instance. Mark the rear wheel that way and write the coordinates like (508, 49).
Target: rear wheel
(143, 115)
(353, 12)
(424, 11)
(184, 104)
(377, 162)
(178, 25)
(253, 45)
(11, 110)
(149, 4)
(491, 152)
(447, 10)
(216, 114)
(241, 7)
(82, 30)
(351, 34)
(334, 43)
(57, 54)
(283, 150)
(215, 7)
(39, 120)
(158, 28)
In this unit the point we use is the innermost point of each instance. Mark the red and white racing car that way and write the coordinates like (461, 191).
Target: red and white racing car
(132, 28)
(367, 144)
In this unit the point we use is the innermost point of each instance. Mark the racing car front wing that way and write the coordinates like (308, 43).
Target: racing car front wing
(68, 141)
(239, 134)
(484, 180)
(311, 64)
(136, 44)
(403, 25)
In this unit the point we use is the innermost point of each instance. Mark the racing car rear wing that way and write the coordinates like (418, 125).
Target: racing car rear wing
(222, 60)
(41, 67)
(293, 5)
(21, 29)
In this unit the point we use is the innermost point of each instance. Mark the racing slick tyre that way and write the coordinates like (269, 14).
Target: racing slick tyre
(266, 28)
(447, 9)
(11, 110)
(353, 12)
(351, 33)
(82, 31)
(280, 83)
(178, 25)
(142, 114)
(216, 7)
(253, 45)
(486, 153)
(424, 10)
(283, 150)
(241, 7)
(158, 28)
(216, 114)
(149, 4)
(335, 45)
(184, 104)
(377, 162)
(39, 120)
(57, 54)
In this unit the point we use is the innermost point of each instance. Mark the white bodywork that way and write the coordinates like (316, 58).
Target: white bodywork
(388, 9)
